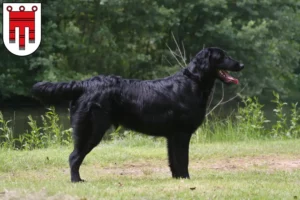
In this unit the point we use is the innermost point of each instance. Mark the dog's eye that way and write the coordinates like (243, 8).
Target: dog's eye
(221, 58)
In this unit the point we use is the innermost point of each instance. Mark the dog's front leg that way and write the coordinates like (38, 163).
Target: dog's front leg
(178, 151)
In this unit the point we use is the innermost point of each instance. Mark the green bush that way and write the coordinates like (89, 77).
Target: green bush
(51, 133)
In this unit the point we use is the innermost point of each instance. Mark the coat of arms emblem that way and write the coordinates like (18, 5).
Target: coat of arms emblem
(22, 27)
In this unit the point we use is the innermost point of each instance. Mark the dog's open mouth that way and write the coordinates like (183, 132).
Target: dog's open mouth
(224, 76)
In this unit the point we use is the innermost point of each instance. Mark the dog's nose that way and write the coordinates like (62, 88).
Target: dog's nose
(241, 66)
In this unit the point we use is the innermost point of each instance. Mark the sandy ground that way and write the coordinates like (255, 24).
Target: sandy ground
(14, 195)
(268, 163)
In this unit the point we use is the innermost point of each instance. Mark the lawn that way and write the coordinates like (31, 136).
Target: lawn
(123, 169)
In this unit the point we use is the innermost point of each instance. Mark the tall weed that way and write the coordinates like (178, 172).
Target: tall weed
(251, 119)
(285, 127)
(294, 129)
(50, 133)
(6, 134)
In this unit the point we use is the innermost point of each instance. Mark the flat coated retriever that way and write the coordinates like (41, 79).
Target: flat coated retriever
(172, 107)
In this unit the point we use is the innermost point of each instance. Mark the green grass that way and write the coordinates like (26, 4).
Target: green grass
(131, 169)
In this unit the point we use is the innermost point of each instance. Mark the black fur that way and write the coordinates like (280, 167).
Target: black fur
(172, 107)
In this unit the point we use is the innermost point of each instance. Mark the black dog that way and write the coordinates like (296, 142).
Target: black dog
(172, 107)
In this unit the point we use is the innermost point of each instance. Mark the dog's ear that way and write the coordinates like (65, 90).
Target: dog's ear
(203, 59)
(199, 65)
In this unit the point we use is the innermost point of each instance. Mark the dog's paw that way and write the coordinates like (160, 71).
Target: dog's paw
(78, 181)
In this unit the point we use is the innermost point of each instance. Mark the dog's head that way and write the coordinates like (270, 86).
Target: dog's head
(216, 62)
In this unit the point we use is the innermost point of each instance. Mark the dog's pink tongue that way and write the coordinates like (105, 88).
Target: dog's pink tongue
(232, 80)
(228, 78)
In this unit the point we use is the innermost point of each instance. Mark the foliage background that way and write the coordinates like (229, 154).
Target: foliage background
(83, 38)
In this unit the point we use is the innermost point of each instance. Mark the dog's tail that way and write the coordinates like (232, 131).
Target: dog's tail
(48, 92)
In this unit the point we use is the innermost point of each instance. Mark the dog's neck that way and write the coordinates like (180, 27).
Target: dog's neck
(204, 79)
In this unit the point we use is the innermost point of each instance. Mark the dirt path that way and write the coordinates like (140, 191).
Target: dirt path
(267, 163)
(262, 162)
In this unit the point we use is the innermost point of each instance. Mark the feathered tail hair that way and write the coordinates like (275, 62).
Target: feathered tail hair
(49, 92)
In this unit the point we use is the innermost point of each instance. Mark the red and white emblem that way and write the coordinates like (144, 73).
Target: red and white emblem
(22, 27)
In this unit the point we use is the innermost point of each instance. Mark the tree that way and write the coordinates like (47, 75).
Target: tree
(130, 38)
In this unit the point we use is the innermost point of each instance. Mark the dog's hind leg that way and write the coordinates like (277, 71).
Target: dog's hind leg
(178, 149)
(81, 133)
(87, 134)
